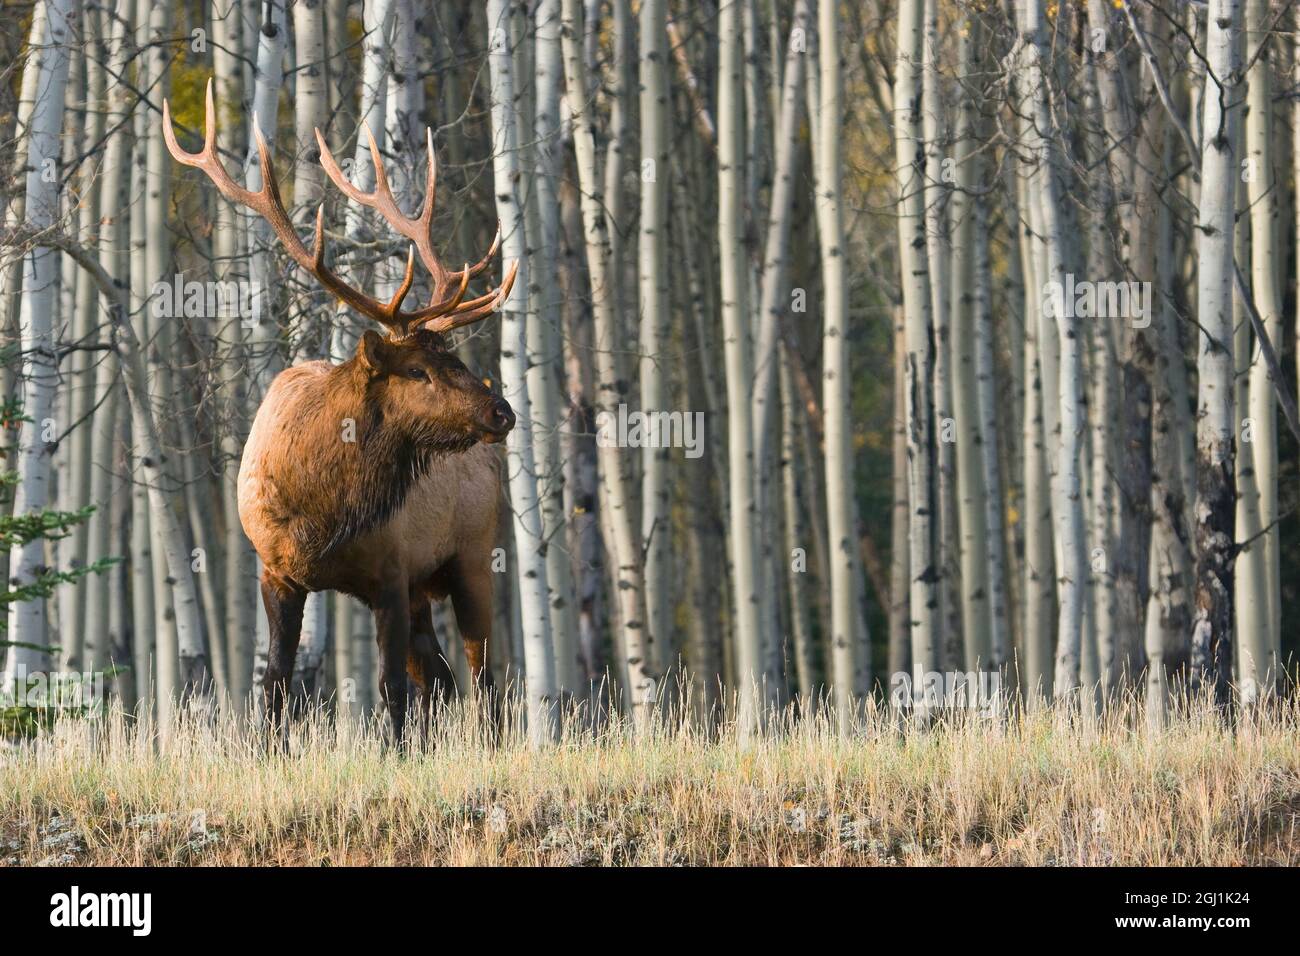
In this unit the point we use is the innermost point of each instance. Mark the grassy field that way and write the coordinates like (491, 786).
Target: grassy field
(1038, 789)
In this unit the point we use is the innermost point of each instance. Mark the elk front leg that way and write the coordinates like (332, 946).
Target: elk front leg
(426, 665)
(393, 632)
(471, 596)
(284, 602)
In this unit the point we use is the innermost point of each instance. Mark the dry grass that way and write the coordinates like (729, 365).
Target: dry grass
(1035, 789)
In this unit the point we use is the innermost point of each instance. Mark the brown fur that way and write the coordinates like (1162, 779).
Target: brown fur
(403, 513)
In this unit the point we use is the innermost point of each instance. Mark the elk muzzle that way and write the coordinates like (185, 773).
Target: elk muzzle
(498, 419)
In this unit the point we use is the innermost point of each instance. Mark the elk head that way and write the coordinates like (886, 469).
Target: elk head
(417, 385)
(411, 370)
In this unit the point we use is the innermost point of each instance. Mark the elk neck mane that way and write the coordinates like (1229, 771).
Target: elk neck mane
(347, 462)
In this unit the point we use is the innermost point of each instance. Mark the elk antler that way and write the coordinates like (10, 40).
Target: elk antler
(447, 309)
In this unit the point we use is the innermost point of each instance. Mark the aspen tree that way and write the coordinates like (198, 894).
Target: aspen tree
(1060, 358)
(530, 576)
(262, 354)
(153, 25)
(1168, 615)
(1250, 602)
(11, 277)
(74, 487)
(1038, 591)
(545, 348)
(900, 618)
(796, 537)
(27, 623)
(735, 317)
(147, 600)
(918, 403)
(240, 563)
(1103, 379)
(1261, 646)
(971, 493)
(939, 253)
(1000, 633)
(112, 249)
(1124, 139)
(614, 493)
(377, 18)
(311, 110)
(656, 531)
(1216, 414)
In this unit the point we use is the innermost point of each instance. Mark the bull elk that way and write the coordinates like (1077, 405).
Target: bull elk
(373, 477)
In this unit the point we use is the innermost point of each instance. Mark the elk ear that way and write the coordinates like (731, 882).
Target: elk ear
(374, 352)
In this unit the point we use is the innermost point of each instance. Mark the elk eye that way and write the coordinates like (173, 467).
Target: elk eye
(415, 373)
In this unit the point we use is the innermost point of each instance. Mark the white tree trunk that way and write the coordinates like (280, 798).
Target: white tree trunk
(939, 254)
(310, 111)
(1039, 587)
(1060, 361)
(240, 564)
(656, 530)
(966, 311)
(309, 303)
(74, 488)
(621, 543)
(263, 355)
(773, 303)
(1250, 601)
(261, 352)
(530, 546)
(40, 360)
(900, 610)
(1260, 650)
(1103, 383)
(990, 460)
(153, 25)
(11, 277)
(796, 537)
(918, 400)
(1170, 567)
(376, 19)
(546, 347)
(735, 315)
(100, 542)
(1216, 414)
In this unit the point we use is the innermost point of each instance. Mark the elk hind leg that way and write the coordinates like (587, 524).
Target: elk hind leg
(471, 597)
(426, 665)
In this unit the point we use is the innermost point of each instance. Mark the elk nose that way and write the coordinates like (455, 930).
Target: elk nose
(502, 416)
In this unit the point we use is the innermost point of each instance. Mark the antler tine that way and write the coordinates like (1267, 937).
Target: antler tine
(207, 158)
(389, 314)
(332, 170)
(487, 256)
(445, 311)
(431, 181)
(267, 203)
(381, 200)
(395, 303)
(426, 217)
(477, 309)
(451, 304)
(417, 229)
